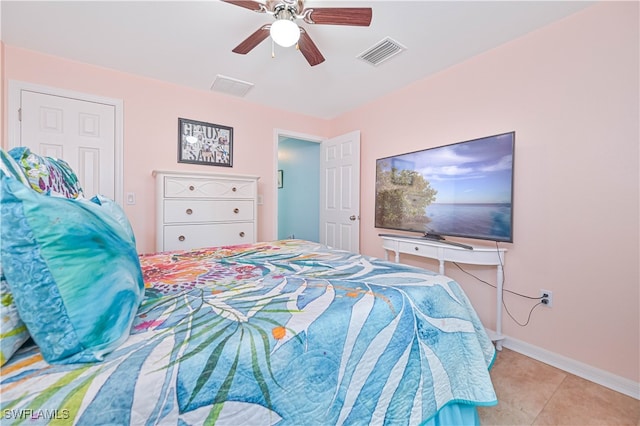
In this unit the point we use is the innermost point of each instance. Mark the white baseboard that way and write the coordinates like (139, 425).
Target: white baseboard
(601, 377)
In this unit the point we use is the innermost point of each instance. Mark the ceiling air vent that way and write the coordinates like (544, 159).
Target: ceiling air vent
(382, 51)
(231, 86)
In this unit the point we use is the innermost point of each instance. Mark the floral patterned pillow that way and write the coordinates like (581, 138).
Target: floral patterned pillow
(47, 175)
(9, 167)
(13, 332)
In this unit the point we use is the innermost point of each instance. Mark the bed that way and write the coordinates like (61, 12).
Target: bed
(284, 332)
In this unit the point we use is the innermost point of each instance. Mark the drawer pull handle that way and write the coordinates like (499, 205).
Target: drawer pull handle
(242, 234)
(236, 210)
(191, 187)
(189, 211)
(234, 189)
(416, 248)
(181, 238)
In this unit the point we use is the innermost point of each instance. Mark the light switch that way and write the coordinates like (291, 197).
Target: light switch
(131, 198)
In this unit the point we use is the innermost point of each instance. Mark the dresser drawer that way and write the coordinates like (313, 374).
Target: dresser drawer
(184, 237)
(188, 187)
(181, 211)
(417, 248)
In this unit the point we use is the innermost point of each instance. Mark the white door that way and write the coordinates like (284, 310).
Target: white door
(80, 132)
(340, 192)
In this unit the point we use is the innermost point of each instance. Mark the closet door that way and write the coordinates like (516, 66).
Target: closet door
(82, 129)
(81, 133)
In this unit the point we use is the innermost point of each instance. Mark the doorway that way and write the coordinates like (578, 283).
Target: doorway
(298, 188)
(338, 190)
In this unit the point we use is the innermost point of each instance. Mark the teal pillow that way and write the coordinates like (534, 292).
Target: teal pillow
(114, 210)
(13, 332)
(73, 271)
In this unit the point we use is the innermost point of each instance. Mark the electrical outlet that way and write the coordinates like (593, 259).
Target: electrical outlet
(546, 297)
(131, 198)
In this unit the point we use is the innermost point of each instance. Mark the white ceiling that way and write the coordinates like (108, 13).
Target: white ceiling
(190, 42)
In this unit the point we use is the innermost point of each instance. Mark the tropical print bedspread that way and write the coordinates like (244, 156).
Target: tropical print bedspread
(287, 332)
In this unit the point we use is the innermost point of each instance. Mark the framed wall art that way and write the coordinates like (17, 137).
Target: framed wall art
(204, 143)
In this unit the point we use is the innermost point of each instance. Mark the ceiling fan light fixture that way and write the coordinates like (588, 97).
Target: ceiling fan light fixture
(285, 32)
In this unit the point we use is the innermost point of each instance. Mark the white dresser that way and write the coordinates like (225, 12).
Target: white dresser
(198, 209)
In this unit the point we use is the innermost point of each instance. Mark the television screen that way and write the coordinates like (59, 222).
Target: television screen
(463, 189)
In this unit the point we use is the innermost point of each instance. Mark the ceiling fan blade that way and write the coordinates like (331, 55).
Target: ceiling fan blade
(358, 16)
(253, 40)
(256, 6)
(309, 49)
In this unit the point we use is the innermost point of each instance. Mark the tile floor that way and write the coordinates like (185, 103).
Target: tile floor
(533, 393)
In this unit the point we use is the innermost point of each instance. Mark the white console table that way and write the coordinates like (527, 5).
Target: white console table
(444, 252)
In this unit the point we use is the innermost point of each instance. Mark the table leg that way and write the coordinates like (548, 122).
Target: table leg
(499, 287)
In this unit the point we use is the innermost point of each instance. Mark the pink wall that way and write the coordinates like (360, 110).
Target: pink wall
(151, 111)
(3, 127)
(570, 91)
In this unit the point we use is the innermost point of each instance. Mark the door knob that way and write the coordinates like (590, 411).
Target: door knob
(352, 217)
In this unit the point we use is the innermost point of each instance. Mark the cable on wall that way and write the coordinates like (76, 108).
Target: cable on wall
(505, 290)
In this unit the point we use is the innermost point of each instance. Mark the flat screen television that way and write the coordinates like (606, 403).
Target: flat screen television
(463, 189)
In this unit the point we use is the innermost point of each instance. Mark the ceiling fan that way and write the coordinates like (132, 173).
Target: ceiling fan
(285, 32)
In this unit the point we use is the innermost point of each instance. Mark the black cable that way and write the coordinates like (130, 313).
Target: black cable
(491, 285)
(503, 290)
(528, 318)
